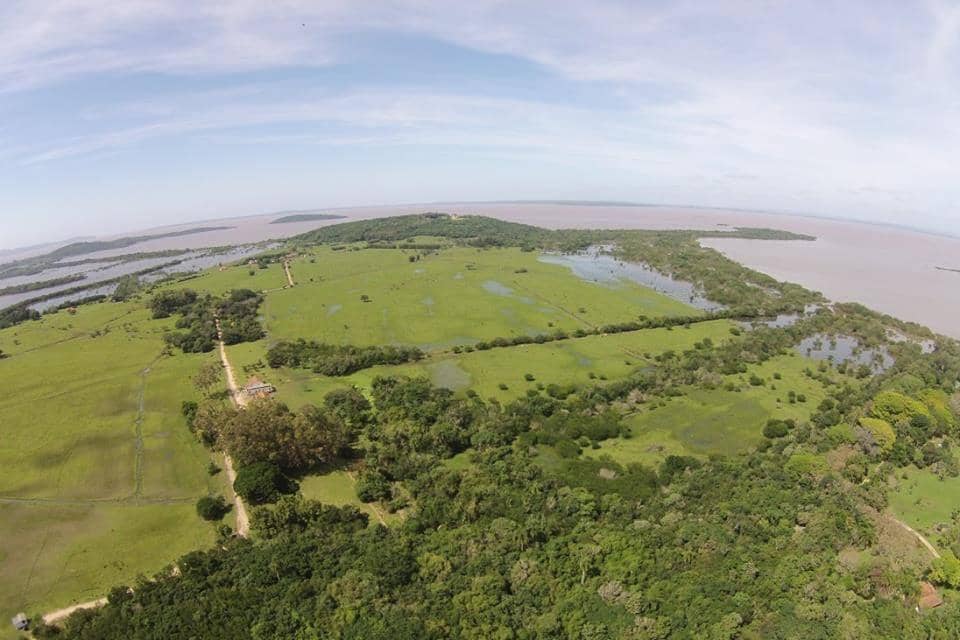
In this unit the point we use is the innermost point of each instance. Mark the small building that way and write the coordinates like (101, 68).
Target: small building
(20, 622)
(257, 388)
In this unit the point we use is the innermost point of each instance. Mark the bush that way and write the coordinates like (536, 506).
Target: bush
(528, 377)
(372, 486)
(259, 483)
(212, 508)
(775, 429)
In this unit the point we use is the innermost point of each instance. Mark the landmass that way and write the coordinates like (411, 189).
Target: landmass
(439, 426)
(306, 217)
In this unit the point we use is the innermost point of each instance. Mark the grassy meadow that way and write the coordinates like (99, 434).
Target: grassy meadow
(100, 475)
(717, 421)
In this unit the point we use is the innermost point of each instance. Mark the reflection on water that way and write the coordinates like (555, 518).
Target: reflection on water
(782, 320)
(596, 266)
(847, 349)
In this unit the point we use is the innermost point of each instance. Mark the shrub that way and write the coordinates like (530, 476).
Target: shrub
(503, 386)
(775, 429)
(212, 508)
(372, 486)
(528, 377)
(259, 483)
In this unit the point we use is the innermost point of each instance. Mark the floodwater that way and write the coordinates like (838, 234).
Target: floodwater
(847, 349)
(595, 266)
(103, 271)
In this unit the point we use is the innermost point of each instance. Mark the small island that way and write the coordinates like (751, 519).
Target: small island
(306, 217)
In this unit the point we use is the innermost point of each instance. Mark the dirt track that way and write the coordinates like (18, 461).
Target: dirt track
(926, 543)
(243, 520)
(60, 614)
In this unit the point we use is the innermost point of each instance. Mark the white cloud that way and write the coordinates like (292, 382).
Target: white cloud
(831, 105)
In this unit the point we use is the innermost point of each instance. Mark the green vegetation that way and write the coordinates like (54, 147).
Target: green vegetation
(657, 472)
(99, 475)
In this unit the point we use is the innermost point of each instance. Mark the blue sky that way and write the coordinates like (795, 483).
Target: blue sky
(118, 116)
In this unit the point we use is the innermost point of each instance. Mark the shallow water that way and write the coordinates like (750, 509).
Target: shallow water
(847, 349)
(496, 288)
(595, 266)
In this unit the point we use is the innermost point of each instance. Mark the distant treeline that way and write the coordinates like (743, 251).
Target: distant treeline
(677, 254)
(337, 360)
(198, 318)
(306, 217)
(42, 284)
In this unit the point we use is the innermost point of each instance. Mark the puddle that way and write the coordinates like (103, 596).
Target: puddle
(333, 309)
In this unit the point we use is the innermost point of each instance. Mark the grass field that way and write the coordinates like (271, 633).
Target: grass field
(99, 472)
(457, 296)
(717, 421)
(923, 501)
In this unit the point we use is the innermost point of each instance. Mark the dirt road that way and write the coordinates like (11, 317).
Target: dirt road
(61, 614)
(926, 543)
(286, 267)
(243, 520)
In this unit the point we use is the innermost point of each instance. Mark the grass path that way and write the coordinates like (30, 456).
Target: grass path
(243, 520)
(286, 268)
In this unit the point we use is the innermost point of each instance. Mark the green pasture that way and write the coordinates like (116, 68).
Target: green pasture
(456, 296)
(100, 473)
(55, 555)
(220, 280)
(923, 500)
(705, 421)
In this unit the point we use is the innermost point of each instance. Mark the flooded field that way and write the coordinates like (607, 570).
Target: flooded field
(596, 266)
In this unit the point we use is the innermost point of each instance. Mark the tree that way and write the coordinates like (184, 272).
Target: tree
(946, 570)
(208, 375)
(267, 431)
(212, 508)
(259, 483)
(349, 405)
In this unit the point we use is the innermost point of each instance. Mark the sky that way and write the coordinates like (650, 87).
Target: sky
(116, 116)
